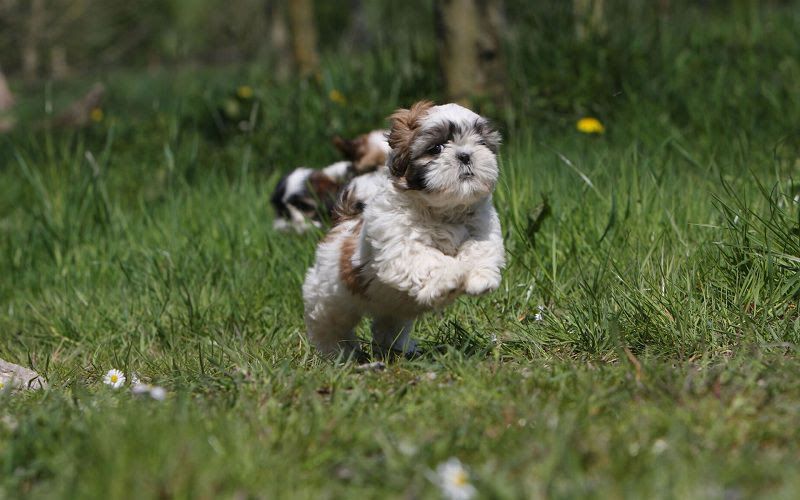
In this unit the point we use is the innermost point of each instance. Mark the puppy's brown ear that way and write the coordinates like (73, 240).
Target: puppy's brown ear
(405, 123)
(370, 161)
(347, 147)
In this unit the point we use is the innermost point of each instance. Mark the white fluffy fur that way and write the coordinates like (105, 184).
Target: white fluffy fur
(295, 183)
(377, 138)
(415, 250)
(338, 171)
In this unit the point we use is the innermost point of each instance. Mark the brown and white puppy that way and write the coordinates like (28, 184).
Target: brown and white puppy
(411, 237)
(305, 197)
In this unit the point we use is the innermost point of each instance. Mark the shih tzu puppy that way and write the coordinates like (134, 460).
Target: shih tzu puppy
(305, 197)
(411, 237)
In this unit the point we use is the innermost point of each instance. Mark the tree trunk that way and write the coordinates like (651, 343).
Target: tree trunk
(357, 36)
(470, 48)
(58, 63)
(457, 33)
(304, 37)
(30, 47)
(491, 63)
(279, 39)
(590, 18)
(6, 103)
(663, 8)
(6, 97)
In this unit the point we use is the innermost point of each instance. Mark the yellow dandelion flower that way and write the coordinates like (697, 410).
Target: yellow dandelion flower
(96, 114)
(590, 125)
(245, 92)
(337, 97)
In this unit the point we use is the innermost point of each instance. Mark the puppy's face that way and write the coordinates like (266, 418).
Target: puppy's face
(447, 153)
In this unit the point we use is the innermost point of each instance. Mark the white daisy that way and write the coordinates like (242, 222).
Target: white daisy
(139, 388)
(158, 393)
(539, 315)
(453, 480)
(660, 445)
(114, 378)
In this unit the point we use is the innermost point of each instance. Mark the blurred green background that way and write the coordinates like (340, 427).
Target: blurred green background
(554, 65)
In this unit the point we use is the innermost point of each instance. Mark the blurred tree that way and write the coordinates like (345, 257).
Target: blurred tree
(304, 37)
(30, 48)
(663, 8)
(490, 48)
(6, 98)
(590, 18)
(358, 34)
(468, 34)
(279, 39)
(59, 69)
(6, 103)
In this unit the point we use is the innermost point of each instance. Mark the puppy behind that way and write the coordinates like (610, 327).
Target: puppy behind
(410, 238)
(305, 197)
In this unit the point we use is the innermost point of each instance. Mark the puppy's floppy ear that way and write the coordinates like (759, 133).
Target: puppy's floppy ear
(405, 123)
(371, 160)
(348, 148)
(490, 135)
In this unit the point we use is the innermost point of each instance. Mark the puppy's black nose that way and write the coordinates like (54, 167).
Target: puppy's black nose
(463, 158)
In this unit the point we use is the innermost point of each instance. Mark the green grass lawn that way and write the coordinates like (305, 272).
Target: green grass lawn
(643, 342)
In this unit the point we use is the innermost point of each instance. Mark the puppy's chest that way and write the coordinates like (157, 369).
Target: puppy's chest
(447, 238)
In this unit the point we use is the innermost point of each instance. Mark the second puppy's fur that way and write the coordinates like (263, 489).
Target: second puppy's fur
(305, 196)
(412, 238)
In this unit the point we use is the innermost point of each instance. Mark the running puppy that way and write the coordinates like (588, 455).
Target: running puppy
(410, 238)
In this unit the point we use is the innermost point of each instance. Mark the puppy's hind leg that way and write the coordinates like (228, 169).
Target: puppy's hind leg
(393, 335)
(330, 328)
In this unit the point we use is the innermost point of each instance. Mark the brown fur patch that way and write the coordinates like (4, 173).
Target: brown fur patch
(351, 149)
(347, 206)
(350, 274)
(323, 191)
(365, 156)
(322, 185)
(330, 236)
(373, 158)
(405, 124)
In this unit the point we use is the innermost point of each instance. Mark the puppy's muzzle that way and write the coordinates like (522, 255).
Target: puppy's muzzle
(465, 168)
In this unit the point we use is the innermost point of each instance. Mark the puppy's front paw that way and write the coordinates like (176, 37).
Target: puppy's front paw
(438, 292)
(481, 281)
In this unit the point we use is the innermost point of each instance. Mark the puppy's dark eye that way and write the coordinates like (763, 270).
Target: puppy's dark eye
(436, 149)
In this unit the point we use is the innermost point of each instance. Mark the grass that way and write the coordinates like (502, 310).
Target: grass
(664, 364)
